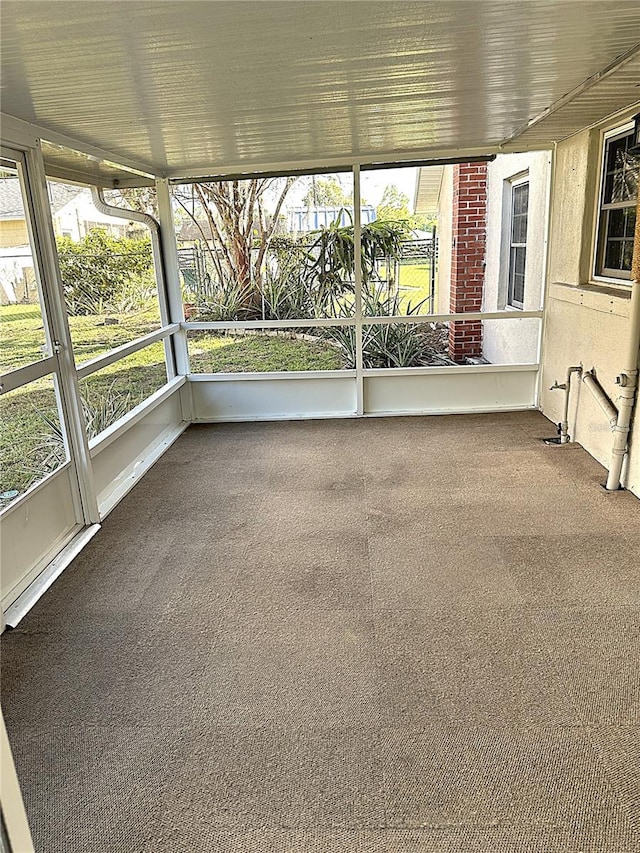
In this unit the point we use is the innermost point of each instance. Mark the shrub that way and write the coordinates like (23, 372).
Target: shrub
(101, 272)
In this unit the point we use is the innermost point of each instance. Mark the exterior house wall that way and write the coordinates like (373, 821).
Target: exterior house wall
(17, 277)
(586, 321)
(79, 215)
(13, 232)
(514, 341)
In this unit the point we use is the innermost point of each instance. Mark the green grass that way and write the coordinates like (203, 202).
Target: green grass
(22, 335)
(414, 284)
(212, 353)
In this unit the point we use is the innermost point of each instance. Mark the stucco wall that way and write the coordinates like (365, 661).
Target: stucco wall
(586, 322)
(514, 341)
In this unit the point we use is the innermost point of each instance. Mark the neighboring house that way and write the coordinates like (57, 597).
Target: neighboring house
(74, 214)
(491, 245)
(17, 276)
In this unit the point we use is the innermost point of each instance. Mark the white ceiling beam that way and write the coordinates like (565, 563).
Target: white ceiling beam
(19, 132)
(388, 158)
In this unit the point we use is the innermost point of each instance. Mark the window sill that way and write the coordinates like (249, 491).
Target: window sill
(596, 296)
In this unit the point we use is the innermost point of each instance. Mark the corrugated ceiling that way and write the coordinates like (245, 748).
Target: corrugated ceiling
(178, 86)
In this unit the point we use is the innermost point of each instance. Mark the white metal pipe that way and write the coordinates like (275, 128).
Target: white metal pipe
(601, 397)
(627, 382)
(158, 262)
(566, 387)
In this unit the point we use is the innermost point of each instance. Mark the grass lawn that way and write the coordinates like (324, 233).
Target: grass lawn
(214, 353)
(22, 335)
(414, 286)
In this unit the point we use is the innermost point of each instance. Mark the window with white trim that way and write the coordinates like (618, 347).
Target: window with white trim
(618, 200)
(518, 243)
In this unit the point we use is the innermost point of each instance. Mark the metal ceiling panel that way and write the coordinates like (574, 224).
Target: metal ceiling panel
(75, 167)
(187, 85)
(604, 97)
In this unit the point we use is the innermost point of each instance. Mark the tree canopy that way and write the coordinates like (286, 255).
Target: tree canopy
(394, 207)
(327, 192)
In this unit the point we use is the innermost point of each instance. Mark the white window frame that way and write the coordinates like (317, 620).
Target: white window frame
(510, 185)
(598, 277)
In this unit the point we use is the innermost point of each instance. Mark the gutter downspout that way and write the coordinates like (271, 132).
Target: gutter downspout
(589, 379)
(628, 379)
(103, 206)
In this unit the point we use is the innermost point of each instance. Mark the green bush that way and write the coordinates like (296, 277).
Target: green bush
(100, 273)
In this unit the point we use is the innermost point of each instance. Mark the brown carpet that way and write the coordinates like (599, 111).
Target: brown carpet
(411, 634)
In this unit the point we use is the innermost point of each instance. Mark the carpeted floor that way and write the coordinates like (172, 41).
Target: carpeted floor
(411, 634)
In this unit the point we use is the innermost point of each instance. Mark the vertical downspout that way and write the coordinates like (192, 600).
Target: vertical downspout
(628, 379)
(102, 205)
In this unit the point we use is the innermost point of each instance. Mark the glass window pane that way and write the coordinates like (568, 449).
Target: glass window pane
(620, 188)
(22, 331)
(519, 215)
(107, 272)
(613, 255)
(617, 222)
(622, 171)
(32, 444)
(627, 255)
(265, 351)
(111, 393)
(630, 221)
(266, 248)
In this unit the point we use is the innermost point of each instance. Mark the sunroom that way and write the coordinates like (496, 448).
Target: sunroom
(254, 593)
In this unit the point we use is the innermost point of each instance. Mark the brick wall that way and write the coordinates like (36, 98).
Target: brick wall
(467, 256)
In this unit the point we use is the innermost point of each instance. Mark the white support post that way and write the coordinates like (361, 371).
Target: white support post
(551, 178)
(44, 246)
(174, 294)
(357, 256)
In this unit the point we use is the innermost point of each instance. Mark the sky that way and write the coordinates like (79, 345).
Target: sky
(372, 184)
